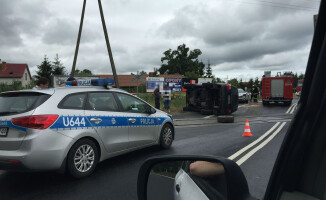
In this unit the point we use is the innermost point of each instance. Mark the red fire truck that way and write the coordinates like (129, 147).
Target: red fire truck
(277, 89)
(299, 87)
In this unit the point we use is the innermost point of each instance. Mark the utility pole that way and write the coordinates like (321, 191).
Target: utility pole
(108, 45)
(78, 41)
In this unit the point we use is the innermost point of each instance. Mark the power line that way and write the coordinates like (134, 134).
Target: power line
(284, 4)
(316, 1)
(271, 4)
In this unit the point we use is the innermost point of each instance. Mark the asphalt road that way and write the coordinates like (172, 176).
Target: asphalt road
(116, 178)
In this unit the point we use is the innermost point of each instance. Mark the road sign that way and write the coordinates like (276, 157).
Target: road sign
(174, 84)
(153, 82)
(138, 77)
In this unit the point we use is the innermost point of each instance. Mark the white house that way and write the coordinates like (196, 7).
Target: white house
(15, 72)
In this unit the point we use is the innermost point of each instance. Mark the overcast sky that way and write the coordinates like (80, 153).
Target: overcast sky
(240, 38)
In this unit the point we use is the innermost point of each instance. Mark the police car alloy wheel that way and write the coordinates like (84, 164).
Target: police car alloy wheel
(82, 158)
(166, 137)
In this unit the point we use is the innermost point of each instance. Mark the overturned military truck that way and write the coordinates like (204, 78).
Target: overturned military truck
(211, 98)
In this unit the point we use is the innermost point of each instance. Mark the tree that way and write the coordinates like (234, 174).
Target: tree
(250, 83)
(142, 72)
(209, 71)
(57, 67)
(85, 72)
(156, 72)
(191, 75)
(181, 61)
(241, 84)
(217, 80)
(234, 82)
(44, 69)
(296, 78)
(257, 82)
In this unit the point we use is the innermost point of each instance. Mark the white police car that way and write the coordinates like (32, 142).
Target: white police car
(74, 128)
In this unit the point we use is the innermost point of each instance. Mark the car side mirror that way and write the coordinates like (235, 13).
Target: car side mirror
(191, 178)
(150, 110)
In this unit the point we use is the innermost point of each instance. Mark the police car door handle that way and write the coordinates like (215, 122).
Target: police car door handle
(177, 188)
(96, 120)
(132, 120)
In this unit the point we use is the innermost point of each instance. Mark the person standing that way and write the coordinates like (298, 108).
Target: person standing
(252, 93)
(255, 92)
(157, 96)
(167, 98)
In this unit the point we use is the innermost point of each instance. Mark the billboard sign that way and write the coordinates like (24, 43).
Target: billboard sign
(204, 80)
(153, 82)
(81, 80)
(174, 84)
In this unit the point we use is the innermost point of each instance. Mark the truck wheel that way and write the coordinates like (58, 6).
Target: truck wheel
(265, 103)
(225, 119)
(166, 137)
(82, 158)
(206, 112)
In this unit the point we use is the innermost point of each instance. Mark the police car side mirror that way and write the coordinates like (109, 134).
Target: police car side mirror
(192, 178)
(150, 110)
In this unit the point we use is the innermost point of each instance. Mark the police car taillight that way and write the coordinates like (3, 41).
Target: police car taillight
(35, 121)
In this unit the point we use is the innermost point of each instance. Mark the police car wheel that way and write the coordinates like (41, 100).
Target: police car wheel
(82, 158)
(166, 137)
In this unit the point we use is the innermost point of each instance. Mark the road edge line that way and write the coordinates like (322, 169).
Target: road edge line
(238, 153)
(294, 107)
(289, 109)
(209, 116)
(253, 151)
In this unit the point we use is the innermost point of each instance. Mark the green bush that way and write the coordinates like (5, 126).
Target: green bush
(16, 85)
(178, 100)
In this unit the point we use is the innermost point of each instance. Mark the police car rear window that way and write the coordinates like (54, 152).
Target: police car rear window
(73, 101)
(19, 102)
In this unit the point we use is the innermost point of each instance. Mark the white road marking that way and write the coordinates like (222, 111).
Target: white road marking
(253, 151)
(290, 108)
(209, 116)
(254, 142)
(293, 109)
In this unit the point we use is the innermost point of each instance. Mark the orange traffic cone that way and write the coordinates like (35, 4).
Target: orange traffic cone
(247, 131)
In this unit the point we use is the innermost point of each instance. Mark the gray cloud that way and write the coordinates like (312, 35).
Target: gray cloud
(64, 32)
(237, 38)
(243, 35)
(17, 21)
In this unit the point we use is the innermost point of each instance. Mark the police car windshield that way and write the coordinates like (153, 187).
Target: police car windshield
(20, 102)
(240, 90)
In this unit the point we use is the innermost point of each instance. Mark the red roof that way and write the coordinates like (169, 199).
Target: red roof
(125, 80)
(13, 70)
(172, 75)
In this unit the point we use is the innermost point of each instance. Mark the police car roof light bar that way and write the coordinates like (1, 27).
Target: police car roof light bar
(91, 82)
(103, 82)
